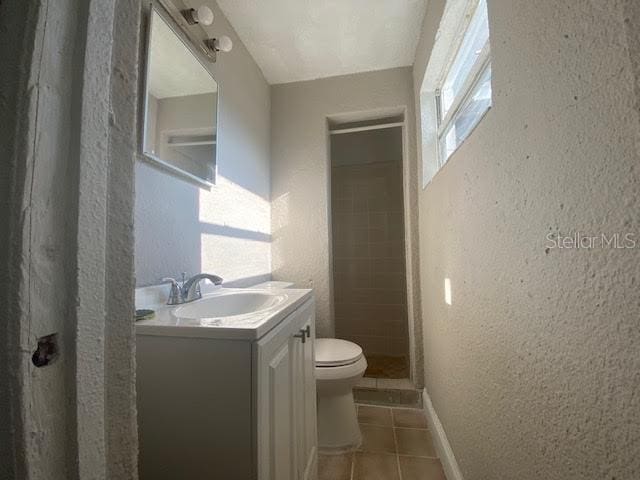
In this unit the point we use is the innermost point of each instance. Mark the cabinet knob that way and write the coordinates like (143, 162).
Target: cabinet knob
(302, 335)
(307, 331)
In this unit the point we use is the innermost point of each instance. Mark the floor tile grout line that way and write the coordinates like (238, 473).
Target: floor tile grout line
(418, 456)
(395, 442)
(375, 405)
(353, 464)
(393, 426)
(395, 439)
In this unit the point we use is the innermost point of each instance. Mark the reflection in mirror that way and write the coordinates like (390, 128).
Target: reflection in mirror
(181, 106)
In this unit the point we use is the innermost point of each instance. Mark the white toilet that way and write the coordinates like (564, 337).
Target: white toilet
(339, 366)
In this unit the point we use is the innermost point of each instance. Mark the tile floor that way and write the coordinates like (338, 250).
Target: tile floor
(396, 445)
(386, 383)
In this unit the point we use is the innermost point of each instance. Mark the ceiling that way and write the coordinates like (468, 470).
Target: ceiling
(173, 69)
(293, 40)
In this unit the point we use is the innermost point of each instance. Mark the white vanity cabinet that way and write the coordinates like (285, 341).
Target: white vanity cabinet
(286, 400)
(232, 409)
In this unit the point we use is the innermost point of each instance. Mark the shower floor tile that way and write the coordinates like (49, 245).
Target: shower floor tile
(383, 366)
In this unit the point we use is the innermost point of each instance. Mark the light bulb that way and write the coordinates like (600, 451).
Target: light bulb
(224, 44)
(204, 15)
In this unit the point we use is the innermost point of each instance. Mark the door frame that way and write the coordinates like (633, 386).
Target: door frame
(68, 273)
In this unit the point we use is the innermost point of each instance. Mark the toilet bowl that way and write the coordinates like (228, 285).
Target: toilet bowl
(339, 366)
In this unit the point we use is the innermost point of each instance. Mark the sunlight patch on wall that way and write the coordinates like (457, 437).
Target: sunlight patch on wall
(235, 226)
(280, 221)
(447, 291)
(231, 205)
(234, 258)
(280, 210)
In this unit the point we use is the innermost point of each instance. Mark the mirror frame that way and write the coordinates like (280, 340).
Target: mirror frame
(153, 160)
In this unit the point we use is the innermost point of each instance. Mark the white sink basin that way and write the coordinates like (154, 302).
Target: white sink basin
(226, 313)
(231, 304)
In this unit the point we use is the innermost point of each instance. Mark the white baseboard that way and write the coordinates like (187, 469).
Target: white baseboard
(439, 436)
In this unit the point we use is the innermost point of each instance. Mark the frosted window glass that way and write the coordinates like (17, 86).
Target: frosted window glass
(474, 40)
(470, 113)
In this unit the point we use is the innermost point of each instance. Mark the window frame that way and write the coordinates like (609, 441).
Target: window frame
(482, 62)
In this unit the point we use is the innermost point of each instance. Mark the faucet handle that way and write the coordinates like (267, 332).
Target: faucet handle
(175, 295)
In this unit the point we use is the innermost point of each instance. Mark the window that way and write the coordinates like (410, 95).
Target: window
(464, 94)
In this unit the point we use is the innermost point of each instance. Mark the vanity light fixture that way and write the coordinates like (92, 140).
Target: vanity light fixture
(202, 15)
(222, 44)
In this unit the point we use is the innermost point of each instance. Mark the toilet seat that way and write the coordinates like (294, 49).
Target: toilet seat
(343, 372)
(333, 352)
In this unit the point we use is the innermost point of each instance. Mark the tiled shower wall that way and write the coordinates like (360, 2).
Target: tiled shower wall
(368, 256)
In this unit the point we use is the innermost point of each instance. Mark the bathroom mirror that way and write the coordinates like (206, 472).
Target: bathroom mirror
(180, 108)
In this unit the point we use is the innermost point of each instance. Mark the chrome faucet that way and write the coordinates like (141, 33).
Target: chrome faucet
(190, 289)
(175, 294)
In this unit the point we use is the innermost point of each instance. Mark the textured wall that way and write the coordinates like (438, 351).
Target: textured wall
(121, 437)
(70, 161)
(13, 87)
(227, 230)
(300, 173)
(369, 277)
(534, 368)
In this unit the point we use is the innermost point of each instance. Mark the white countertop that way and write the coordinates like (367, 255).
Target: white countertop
(250, 326)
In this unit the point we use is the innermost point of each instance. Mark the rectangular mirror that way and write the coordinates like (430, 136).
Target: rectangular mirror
(180, 111)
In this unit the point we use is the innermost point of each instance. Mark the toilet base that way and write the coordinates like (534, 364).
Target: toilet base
(338, 429)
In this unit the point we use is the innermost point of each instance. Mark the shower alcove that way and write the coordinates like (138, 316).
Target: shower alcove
(368, 242)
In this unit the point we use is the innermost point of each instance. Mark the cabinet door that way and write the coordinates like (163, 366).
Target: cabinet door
(286, 400)
(276, 437)
(305, 386)
(282, 453)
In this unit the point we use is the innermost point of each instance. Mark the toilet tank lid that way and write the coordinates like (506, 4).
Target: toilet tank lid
(333, 352)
